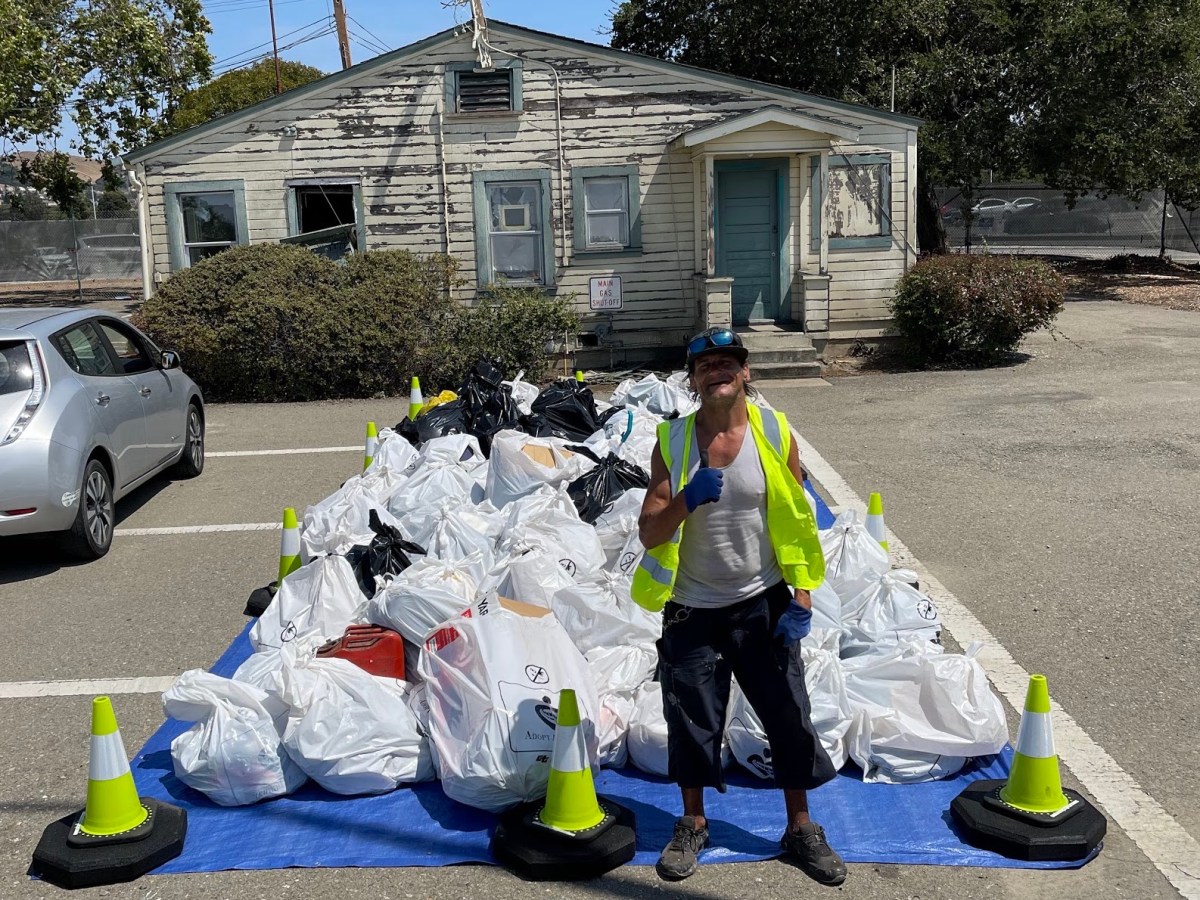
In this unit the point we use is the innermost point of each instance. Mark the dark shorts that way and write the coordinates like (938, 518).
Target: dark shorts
(698, 652)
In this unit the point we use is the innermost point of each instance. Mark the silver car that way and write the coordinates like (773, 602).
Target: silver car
(90, 409)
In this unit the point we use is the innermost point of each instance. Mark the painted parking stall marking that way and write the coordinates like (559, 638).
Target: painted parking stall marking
(15, 690)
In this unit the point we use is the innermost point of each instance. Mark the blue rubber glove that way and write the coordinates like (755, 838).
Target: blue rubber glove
(705, 487)
(794, 624)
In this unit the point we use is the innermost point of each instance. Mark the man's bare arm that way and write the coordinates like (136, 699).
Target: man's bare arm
(662, 511)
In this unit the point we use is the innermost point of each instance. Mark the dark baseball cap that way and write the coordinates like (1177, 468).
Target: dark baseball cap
(711, 340)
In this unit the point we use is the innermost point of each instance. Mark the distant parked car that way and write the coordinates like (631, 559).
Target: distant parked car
(90, 409)
(108, 255)
(1023, 203)
(54, 263)
(991, 205)
(1054, 217)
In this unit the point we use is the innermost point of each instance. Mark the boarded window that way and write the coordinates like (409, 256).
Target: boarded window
(484, 91)
(855, 203)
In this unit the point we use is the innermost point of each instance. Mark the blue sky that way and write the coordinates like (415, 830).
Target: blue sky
(240, 25)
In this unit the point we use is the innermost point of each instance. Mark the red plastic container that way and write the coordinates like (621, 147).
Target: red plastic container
(372, 648)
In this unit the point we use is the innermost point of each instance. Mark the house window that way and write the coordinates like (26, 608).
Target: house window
(606, 204)
(471, 90)
(856, 204)
(513, 236)
(204, 218)
(321, 206)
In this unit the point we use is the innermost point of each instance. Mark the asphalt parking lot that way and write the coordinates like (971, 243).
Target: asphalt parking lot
(1055, 498)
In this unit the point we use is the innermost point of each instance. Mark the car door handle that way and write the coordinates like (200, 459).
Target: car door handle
(145, 392)
(103, 399)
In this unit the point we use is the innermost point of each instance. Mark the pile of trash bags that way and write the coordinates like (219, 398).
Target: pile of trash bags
(496, 537)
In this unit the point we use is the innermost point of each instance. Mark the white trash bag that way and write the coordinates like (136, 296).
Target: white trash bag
(922, 713)
(394, 453)
(547, 520)
(886, 611)
(851, 554)
(616, 711)
(831, 713)
(520, 464)
(351, 731)
(616, 525)
(342, 519)
(320, 598)
(425, 595)
(454, 530)
(622, 669)
(647, 740)
(602, 613)
(523, 393)
(233, 753)
(492, 683)
(660, 397)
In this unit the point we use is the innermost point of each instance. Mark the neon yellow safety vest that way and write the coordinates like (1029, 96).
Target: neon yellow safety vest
(790, 520)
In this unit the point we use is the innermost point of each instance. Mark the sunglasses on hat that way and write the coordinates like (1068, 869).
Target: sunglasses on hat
(715, 340)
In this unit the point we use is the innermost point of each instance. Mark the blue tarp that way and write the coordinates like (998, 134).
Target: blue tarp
(420, 826)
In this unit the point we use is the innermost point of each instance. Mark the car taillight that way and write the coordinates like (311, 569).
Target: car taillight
(37, 393)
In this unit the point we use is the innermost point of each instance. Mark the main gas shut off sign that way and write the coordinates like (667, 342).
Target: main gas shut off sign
(605, 292)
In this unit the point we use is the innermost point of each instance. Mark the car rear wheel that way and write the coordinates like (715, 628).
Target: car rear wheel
(191, 463)
(91, 535)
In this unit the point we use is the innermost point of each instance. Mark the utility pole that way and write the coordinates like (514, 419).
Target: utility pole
(339, 16)
(275, 48)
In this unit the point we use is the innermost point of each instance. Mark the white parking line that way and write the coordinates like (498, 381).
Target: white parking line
(199, 529)
(209, 454)
(1173, 851)
(14, 690)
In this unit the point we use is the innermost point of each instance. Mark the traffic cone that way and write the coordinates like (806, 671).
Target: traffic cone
(1031, 816)
(415, 400)
(118, 835)
(572, 834)
(571, 805)
(875, 526)
(289, 545)
(289, 562)
(371, 446)
(579, 376)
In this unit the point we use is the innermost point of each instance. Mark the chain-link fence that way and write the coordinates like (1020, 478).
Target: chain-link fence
(70, 250)
(1035, 218)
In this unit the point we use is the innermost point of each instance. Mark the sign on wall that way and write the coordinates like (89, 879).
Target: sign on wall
(604, 292)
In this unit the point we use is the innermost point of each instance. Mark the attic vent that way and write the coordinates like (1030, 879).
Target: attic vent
(485, 91)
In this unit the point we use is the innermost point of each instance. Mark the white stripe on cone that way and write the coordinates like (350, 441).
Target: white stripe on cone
(372, 445)
(1035, 736)
(875, 528)
(569, 753)
(289, 544)
(108, 757)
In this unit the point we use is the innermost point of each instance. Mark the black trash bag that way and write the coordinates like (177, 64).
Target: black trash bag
(387, 554)
(446, 418)
(570, 408)
(488, 404)
(594, 492)
(534, 424)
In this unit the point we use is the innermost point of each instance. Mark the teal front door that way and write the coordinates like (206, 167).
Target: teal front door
(748, 237)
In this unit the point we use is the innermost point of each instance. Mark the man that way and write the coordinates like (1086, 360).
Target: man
(731, 474)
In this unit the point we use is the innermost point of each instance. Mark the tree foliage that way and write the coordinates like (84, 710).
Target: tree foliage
(1091, 94)
(53, 175)
(236, 90)
(113, 66)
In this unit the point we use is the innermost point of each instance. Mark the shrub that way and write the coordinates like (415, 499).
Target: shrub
(973, 310)
(274, 322)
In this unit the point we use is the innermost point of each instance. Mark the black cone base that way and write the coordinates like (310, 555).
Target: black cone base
(989, 828)
(77, 867)
(260, 599)
(538, 854)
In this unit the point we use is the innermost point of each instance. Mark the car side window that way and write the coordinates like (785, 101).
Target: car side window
(85, 351)
(131, 358)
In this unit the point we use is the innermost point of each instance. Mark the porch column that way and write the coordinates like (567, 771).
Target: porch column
(715, 296)
(823, 260)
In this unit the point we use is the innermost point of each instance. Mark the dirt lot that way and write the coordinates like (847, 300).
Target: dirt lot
(1133, 279)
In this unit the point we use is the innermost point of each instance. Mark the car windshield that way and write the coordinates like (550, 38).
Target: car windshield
(16, 371)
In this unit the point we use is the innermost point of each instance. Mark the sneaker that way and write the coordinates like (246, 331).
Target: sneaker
(808, 848)
(678, 860)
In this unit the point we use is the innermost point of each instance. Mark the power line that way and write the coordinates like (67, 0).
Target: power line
(237, 60)
(367, 43)
(369, 33)
(304, 40)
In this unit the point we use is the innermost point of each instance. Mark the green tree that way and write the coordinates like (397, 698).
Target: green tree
(26, 206)
(236, 90)
(113, 205)
(112, 66)
(1098, 93)
(53, 175)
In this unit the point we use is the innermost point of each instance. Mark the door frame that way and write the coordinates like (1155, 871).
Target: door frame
(782, 168)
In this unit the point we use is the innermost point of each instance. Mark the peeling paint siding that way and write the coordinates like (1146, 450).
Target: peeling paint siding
(382, 130)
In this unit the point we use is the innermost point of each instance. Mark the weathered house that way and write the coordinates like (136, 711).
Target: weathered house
(665, 198)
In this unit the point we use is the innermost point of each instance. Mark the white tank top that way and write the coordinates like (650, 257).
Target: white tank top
(726, 554)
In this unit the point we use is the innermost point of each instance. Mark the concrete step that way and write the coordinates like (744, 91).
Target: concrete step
(779, 354)
(771, 370)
